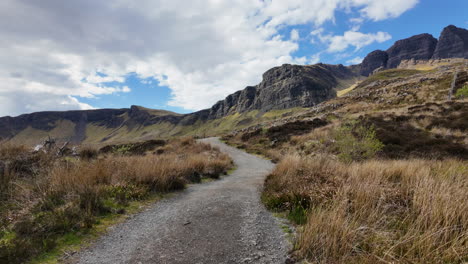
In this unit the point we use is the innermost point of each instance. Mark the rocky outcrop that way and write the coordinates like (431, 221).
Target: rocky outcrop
(372, 61)
(284, 87)
(453, 43)
(419, 47)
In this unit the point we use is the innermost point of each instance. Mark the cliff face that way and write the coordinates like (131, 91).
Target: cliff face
(419, 47)
(453, 43)
(284, 87)
(372, 61)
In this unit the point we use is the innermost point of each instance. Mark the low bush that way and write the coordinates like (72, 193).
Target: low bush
(462, 92)
(356, 142)
(88, 153)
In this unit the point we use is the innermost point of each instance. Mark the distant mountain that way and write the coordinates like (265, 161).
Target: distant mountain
(287, 86)
(283, 87)
(453, 43)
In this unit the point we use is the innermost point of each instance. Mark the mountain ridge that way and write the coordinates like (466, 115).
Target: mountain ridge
(282, 87)
(452, 43)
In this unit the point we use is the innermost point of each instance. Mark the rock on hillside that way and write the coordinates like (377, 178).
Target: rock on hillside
(284, 87)
(453, 43)
(374, 60)
(419, 47)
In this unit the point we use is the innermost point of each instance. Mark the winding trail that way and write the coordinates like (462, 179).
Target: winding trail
(218, 222)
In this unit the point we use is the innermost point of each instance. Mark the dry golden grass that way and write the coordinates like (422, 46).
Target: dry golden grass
(43, 197)
(377, 211)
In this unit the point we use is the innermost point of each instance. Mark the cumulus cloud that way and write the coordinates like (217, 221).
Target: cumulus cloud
(354, 39)
(294, 35)
(380, 10)
(354, 61)
(55, 52)
(314, 59)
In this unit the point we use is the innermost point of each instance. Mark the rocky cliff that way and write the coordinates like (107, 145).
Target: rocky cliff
(373, 61)
(453, 43)
(419, 47)
(287, 86)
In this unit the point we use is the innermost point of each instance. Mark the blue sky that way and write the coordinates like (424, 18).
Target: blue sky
(63, 55)
(145, 92)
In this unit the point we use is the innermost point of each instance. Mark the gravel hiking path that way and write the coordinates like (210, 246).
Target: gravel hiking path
(217, 222)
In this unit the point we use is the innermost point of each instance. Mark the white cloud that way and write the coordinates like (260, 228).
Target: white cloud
(354, 61)
(126, 89)
(353, 38)
(53, 52)
(294, 35)
(356, 23)
(314, 59)
(384, 9)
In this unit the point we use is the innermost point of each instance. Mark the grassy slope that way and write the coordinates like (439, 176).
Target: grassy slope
(353, 208)
(95, 133)
(31, 136)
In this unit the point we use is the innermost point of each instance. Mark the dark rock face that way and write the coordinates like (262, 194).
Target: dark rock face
(284, 87)
(419, 47)
(372, 61)
(453, 43)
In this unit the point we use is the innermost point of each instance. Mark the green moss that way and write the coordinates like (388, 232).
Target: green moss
(462, 92)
